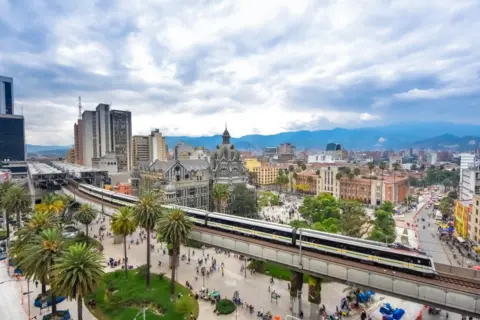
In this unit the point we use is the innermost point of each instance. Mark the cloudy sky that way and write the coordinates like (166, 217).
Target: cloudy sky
(266, 66)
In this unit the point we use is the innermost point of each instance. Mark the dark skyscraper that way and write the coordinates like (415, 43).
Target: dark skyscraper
(6, 95)
(12, 138)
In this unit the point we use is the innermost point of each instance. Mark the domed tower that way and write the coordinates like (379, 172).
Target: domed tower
(170, 193)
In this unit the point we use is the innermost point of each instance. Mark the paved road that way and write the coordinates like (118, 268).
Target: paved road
(10, 303)
(429, 241)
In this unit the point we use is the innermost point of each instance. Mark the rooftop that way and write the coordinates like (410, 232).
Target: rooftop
(73, 168)
(38, 168)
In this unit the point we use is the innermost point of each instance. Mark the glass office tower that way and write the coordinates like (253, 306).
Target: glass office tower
(6, 95)
(12, 138)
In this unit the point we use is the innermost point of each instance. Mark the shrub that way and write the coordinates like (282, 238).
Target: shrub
(225, 306)
(142, 270)
(184, 306)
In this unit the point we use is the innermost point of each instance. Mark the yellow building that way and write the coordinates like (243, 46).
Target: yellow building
(265, 174)
(463, 209)
(251, 163)
(475, 220)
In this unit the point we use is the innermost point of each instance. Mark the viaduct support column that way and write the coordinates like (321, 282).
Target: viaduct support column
(296, 292)
(314, 296)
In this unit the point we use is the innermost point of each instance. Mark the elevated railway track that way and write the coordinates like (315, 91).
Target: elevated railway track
(456, 292)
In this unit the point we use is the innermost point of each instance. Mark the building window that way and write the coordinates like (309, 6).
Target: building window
(178, 177)
(179, 193)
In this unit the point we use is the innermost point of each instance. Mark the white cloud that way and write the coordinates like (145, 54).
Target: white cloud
(381, 140)
(189, 66)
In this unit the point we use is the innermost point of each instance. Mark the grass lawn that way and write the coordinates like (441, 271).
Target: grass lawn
(274, 270)
(119, 298)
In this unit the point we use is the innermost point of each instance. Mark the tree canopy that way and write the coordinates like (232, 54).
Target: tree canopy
(384, 224)
(243, 203)
(319, 208)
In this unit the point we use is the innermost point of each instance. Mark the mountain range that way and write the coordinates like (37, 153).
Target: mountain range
(434, 135)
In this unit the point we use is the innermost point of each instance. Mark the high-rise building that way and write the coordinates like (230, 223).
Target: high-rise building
(141, 149)
(78, 136)
(12, 138)
(121, 138)
(6, 95)
(103, 129)
(12, 127)
(89, 137)
(103, 132)
(158, 146)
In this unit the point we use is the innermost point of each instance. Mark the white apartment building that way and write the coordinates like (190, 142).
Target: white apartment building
(470, 183)
(323, 158)
(432, 158)
(158, 146)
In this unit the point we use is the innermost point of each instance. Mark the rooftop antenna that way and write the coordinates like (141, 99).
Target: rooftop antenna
(79, 107)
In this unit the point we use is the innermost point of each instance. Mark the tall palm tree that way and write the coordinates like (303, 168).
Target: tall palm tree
(85, 215)
(174, 228)
(382, 166)
(220, 194)
(51, 203)
(77, 273)
(4, 186)
(16, 200)
(39, 221)
(68, 201)
(39, 256)
(123, 224)
(395, 168)
(146, 214)
(371, 166)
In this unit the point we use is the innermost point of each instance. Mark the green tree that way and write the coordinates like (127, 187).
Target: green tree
(304, 167)
(413, 182)
(85, 215)
(445, 205)
(281, 181)
(291, 168)
(77, 273)
(16, 200)
(243, 202)
(146, 214)
(51, 203)
(174, 228)
(384, 224)
(123, 224)
(413, 167)
(353, 221)
(220, 196)
(39, 257)
(4, 187)
(319, 208)
(327, 225)
(68, 203)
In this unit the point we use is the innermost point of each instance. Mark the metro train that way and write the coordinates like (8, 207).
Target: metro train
(371, 252)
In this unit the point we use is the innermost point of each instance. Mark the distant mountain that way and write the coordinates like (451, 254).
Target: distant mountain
(435, 135)
(395, 136)
(31, 148)
(448, 141)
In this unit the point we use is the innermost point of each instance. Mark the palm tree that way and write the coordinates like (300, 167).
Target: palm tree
(371, 166)
(395, 167)
(16, 200)
(4, 186)
(310, 182)
(39, 256)
(51, 203)
(220, 194)
(85, 215)
(77, 273)
(123, 224)
(68, 201)
(382, 166)
(146, 214)
(174, 228)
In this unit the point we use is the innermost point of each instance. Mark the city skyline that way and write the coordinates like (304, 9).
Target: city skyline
(186, 68)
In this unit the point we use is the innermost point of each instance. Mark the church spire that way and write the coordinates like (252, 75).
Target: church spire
(226, 136)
